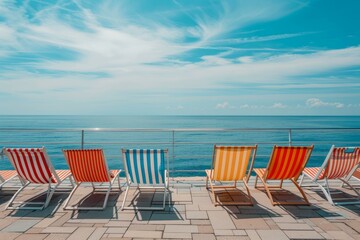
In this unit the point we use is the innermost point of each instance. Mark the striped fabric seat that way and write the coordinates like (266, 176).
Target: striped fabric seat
(33, 165)
(145, 166)
(286, 163)
(90, 166)
(339, 164)
(87, 165)
(231, 163)
(148, 169)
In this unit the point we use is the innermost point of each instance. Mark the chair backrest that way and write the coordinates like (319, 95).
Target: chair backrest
(340, 162)
(32, 164)
(87, 165)
(145, 166)
(287, 162)
(230, 163)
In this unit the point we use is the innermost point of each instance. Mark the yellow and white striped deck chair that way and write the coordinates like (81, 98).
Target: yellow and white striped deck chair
(231, 164)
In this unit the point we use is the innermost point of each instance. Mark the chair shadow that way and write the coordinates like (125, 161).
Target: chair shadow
(55, 203)
(312, 211)
(96, 199)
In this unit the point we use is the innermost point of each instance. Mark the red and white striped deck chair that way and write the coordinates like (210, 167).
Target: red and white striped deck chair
(286, 163)
(340, 163)
(6, 175)
(33, 165)
(90, 166)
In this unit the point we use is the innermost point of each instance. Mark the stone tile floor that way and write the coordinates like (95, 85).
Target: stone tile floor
(190, 215)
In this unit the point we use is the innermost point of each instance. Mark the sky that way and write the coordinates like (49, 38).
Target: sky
(180, 57)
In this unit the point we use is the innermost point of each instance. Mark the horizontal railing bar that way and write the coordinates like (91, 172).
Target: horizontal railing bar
(171, 129)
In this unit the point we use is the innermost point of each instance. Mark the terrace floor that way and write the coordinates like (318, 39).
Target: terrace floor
(191, 215)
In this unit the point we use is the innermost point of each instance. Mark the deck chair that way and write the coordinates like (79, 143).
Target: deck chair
(231, 164)
(90, 166)
(6, 176)
(146, 169)
(286, 163)
(339, 163)
(33, 165)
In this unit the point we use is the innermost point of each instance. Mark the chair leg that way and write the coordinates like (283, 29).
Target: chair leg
(51, 192)
(8, 206)
(347, 183)
(69, 197)
(326, 192)
(267, 191)
(107, 196)
(301, 179)
(126, 193)
(301, 191)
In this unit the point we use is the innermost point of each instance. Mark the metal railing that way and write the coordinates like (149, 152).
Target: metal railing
(190, 149)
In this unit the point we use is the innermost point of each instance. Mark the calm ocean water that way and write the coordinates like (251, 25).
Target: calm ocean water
(192, 149)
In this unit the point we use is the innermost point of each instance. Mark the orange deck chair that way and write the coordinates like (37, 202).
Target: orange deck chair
(340, 164)
(90, 166)
(286, 163)
(33, 165)
(5, 176)
(231, 164)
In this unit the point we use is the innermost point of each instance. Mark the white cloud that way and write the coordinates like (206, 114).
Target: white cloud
(315, 102)
(278, 105)
(222, 105)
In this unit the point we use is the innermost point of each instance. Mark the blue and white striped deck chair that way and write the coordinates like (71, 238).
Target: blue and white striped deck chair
(146, 168)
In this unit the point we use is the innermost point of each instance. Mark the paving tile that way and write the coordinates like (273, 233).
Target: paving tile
(338, 235)
(142, 227)
(220, 220)
(116, 230)
(8, 235)
(272, 235)
(47, 222)
(170, 235)
(252, 234)
(250, 222)
(20, 226)
(181, 229)
(223, 232)
(203, 236)
(200, 222)
(294, 226)
(143, 234)
(32, 236)
(35, 230)
(57, 236)
(303, 235)
(98, 233)
(81, 233)
(205, 229)
(59, 229)
(196, 215)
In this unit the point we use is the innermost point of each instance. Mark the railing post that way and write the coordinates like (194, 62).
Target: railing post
(290, 137)
(82, 138)
(173, 150)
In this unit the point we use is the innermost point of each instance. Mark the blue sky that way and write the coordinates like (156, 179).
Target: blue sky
(292, 57)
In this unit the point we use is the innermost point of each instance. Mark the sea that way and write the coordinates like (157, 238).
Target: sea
(189, 139)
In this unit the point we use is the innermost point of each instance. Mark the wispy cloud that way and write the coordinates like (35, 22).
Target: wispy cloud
(315, 102)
